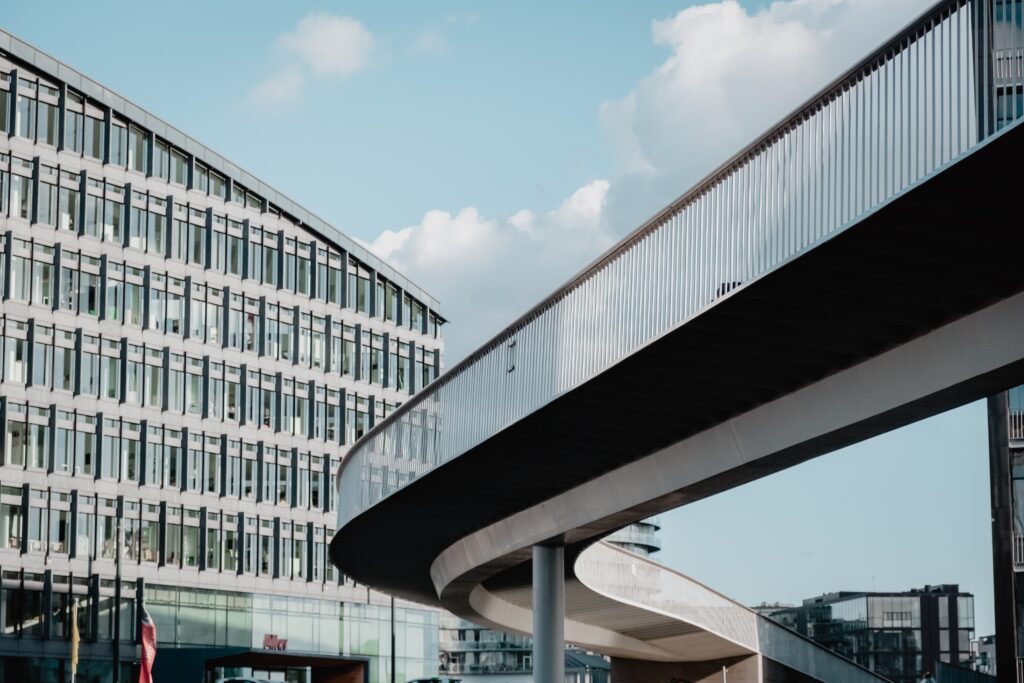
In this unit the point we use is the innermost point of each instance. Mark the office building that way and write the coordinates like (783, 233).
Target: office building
(1006, 410)
(895, 635)
(186, 357)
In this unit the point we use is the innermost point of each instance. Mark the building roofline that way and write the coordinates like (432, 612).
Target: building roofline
(92, 89)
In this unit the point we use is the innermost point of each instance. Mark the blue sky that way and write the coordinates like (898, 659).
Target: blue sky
(492, 149)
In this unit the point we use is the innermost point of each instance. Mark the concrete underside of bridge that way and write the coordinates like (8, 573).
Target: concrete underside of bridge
(913, 310)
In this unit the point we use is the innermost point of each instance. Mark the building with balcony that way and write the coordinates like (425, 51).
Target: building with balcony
(476, 654)
(186, 357)
(1006, 468)
(895, 635)
(1006, 410)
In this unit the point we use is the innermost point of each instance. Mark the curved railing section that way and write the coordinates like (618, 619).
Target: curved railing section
(915, 104)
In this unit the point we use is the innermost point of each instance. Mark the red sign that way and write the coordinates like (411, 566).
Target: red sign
(272, 642)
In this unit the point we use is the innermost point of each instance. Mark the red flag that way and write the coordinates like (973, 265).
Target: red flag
(148, 648)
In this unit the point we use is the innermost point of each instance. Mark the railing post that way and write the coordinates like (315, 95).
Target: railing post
(548, 614)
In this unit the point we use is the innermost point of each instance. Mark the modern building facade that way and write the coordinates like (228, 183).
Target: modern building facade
(1006, 470)
(897, 635)
(477, 654)
(186, 357)
(1006, 410)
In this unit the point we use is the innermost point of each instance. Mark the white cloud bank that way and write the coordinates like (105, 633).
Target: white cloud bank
(322, 46)
(731, 74)
(486, 271)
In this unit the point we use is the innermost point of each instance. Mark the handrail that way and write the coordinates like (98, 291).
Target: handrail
(912, 106)
(827, 93)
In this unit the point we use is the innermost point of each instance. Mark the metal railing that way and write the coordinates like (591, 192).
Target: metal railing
(1015, 422)
(922, 99)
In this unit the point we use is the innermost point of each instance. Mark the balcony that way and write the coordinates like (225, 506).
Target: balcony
(1015, 418)
(1008, 66)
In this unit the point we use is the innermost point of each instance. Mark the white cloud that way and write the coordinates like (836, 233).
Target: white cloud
(730, 75)
(430, 41)
(280, 88)
(321, 45)
(434, 39)
(330, 45)
(486, 271)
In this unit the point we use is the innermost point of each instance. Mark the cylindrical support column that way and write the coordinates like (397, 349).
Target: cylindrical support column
(548, 614)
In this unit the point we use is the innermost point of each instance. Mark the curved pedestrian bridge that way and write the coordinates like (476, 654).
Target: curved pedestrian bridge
(854, 269)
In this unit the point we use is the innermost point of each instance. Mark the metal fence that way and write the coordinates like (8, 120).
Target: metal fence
(921, 100)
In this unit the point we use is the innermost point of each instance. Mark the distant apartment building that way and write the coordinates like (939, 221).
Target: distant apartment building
(984, 655)
(896, 635)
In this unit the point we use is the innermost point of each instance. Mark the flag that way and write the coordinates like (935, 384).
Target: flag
(74, 638)
(148, 647)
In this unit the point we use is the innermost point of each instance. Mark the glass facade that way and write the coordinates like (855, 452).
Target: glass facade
(185, 361)
(898, 636)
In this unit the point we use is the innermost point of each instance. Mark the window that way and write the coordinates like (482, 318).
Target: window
(89, 381)
(42, 283)
(157, 314)
(157, 233)
(21, 196)
(197, 244)
(67, 217)
(212, 541)
(115, 293)
(19, 277)
(175, 313)
(270, 265)
(48, 123)
(74, 130)
(201, 178)
(112, 221)
(64, 442)
(110, 371)
(218, 185)
(25, 117)
(94, 137)
(16, 438)
(154, 380)
(93, 216)
(47, 209)
(118, 144)
(133, 304)
(137, 152)
(234, 255)
(10, 517)
(110, 460)
(89, 294)
(161, 159)
(64, 365)
(38, 441)
(42, 358)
